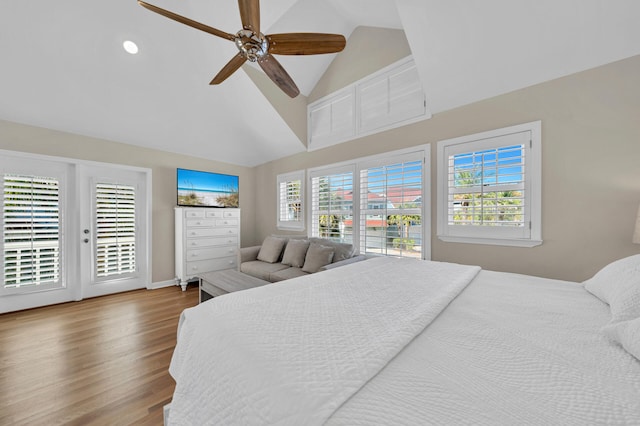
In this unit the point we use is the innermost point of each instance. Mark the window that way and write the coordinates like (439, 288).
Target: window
(391, 206)
(31, 231)
(115, 229)
(376, 203)
(332, 204)
(290, 201)
(489, 187)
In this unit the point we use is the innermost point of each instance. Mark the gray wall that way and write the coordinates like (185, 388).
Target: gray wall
(591, 172)
(18, 137)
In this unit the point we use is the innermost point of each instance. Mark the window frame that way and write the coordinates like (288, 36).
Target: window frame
(366, 210)
(332, 171)
(286, 178)
(356, 166)
(492, 235)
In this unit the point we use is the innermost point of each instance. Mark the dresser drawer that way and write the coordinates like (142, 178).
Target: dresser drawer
(231, 213)
(211, 232)
(210, 252)
(214, 213)
(194, 213)
(227, 222)
(194, 223)
(209, 242)
(200, 266)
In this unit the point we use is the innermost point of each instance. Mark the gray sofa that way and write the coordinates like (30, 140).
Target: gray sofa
(282, 258)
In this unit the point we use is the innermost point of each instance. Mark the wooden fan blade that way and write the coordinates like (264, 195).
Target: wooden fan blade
(231, 67)
(187, 21)
(279, 76)
(305, 43)
(250, 14)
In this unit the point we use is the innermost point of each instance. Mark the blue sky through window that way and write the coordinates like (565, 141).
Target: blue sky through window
(490, 167)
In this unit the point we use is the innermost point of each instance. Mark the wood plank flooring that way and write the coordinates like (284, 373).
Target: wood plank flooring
(101, 361)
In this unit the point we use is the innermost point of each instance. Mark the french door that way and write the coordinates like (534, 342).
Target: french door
(71, 230)
(114, 230)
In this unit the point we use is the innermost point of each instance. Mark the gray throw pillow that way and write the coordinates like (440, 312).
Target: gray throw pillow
(295, 252)
(271, 249)
(317, 257)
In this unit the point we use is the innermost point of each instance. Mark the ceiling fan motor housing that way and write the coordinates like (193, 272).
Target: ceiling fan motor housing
(251, 45)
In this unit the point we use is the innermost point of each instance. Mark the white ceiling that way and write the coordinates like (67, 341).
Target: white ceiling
(63, 66)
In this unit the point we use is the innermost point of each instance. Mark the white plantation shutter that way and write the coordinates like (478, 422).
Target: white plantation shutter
(115, 229)
(332, 204)
(486, 188)
(291, 200)
(391, 206)
(489, 187)
(31, 230)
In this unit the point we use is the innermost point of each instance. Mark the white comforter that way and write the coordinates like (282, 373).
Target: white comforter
(509, 350)
(294, 352)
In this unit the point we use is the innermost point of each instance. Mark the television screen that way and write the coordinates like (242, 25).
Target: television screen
(207, 189)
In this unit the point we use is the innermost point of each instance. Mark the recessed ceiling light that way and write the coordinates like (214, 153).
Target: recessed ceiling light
(130, 47)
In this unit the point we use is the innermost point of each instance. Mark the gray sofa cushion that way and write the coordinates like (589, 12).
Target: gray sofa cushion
(317, 257)
(286, 274)
(271, 249)
(262, 270)
(342, 251)
(295, 253)
(340, 263)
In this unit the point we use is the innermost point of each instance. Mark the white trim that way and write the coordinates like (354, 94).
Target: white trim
(355, 166)
(162, 284)
(533, 186)
(291, 225)
(351, 95)
(70, 262)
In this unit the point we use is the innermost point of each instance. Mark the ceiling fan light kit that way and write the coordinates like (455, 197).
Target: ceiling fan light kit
(256, 47)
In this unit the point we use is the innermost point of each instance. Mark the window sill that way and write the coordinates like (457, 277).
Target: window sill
(491, 241)
(290, 228)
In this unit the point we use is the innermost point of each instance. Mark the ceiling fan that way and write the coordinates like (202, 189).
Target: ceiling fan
(256, 47)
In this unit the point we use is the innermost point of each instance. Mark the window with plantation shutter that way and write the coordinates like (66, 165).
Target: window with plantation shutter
(391, 206)
(291, 200)
(115, 229)
(489, 187)
(31, 231)
(332, 204)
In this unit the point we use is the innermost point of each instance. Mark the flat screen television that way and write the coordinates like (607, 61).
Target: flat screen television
(207, 189)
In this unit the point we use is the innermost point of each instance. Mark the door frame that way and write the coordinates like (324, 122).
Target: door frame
(87, 176)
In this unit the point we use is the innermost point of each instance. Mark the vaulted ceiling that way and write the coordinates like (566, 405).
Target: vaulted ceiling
(63, 66)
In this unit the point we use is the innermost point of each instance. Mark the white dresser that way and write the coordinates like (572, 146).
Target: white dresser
(207, 239)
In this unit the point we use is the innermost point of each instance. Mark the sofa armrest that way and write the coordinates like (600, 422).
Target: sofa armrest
(344, 262)
(248, 254)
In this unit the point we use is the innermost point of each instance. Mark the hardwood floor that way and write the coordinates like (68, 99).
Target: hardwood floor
(101, 361)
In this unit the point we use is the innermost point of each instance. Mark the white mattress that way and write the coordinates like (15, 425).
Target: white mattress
(510, 349)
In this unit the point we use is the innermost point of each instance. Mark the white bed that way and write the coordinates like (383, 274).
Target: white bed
(397, 341)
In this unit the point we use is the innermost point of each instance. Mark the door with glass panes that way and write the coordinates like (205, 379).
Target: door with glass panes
(70, 231)
(114, 229)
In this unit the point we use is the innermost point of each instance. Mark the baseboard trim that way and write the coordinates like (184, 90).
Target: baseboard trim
(162, 284)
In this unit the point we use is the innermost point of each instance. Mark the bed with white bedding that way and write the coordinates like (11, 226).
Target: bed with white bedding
(398, 341)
